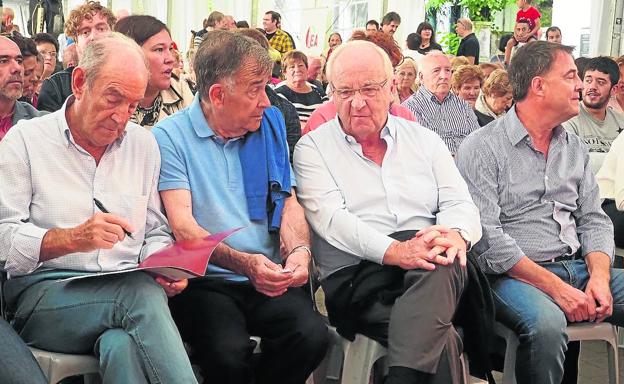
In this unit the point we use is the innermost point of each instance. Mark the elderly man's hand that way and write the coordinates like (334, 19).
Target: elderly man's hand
(172, 288)
(267, 277)
(458, 248)
(101, 231)
(422, 251)
(298, 262)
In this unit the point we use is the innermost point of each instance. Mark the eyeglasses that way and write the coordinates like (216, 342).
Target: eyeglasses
(367, 91)
(48, 54)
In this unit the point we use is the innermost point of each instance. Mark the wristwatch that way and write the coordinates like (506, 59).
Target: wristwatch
(464, 235)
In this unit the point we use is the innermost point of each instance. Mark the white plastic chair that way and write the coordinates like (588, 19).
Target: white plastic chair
(362, 353)
(57, 366)
(579, 331)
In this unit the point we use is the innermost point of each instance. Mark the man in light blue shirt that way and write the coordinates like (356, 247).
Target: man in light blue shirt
(225, 165)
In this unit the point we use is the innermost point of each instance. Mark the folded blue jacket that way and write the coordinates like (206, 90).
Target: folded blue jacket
(266, 169)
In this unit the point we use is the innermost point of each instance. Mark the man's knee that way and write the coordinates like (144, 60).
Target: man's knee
(115, 342)
(548, 329)
(139, 290)
(312, 335)
(228, 354)
(443, 278)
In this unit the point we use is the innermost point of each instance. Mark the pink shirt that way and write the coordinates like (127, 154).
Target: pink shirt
(327, 111)
(5, 124)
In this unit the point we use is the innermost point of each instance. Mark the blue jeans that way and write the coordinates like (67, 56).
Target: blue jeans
(539, 322)
(17, 364)
(124, 319)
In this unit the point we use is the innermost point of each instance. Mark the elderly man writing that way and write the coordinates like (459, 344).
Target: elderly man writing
(52, 169)
(392, 219)
(436, 107)
(547, 244)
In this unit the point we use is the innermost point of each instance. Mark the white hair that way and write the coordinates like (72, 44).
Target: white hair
(358, 44)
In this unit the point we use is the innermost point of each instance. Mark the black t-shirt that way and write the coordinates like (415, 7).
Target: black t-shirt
(469, 46)
(431, 47)
(269, 36)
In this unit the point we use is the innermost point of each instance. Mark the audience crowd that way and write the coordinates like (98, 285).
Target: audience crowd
(395, 178)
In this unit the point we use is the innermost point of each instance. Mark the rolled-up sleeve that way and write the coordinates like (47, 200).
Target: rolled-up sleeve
(326, 209)
(497, 251)
(20, 240)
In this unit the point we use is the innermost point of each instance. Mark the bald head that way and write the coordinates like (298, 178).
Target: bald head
(115, 50)
(435, 73)
(362, 88)
(353, 52)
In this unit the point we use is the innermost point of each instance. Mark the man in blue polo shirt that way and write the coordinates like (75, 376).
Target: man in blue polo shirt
(225, 165)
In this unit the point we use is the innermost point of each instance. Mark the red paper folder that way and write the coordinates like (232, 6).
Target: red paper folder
(183, 259)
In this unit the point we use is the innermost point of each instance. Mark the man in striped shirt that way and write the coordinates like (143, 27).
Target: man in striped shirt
(547, 245)
(436, 107)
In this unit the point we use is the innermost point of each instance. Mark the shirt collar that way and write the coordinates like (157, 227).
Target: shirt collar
(198, 120)
(428, 95)
(387, 130)
(516, 131)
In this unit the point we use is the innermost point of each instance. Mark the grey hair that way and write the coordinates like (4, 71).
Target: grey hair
(222, 54)
(98, 52)
(424, 61)
(355, 44)
(531, 60)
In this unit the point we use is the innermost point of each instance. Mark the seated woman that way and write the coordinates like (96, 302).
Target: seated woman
(405, 78)
(495, 98)
(610, 180)
(466, 83)
(165, 93)
(306, 97)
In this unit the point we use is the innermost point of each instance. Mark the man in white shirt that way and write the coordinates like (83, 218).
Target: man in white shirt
(597, 124)
(368, 182)
(53, 168)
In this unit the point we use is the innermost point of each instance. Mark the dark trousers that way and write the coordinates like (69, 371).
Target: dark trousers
(217, 317)
(617, 217)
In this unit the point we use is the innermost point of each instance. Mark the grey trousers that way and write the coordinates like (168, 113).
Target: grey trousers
(418, 326)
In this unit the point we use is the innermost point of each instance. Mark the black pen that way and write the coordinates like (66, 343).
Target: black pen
(102, 208)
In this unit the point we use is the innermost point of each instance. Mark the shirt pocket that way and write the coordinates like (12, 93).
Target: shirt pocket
(133, 209)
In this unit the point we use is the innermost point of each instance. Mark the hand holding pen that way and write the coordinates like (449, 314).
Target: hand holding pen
(102, 208)
(100, 231)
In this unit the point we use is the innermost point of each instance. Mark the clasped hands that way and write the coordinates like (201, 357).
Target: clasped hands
(433, 245)
(272, 279)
